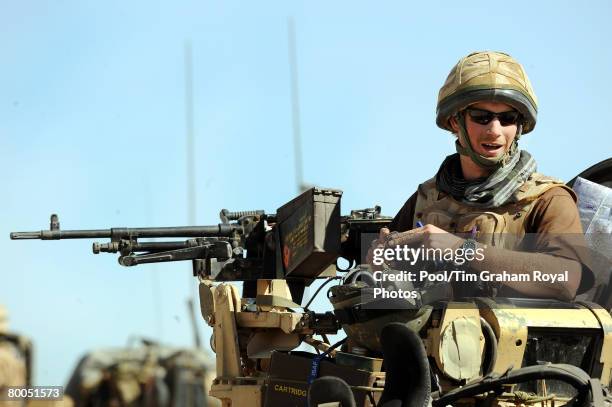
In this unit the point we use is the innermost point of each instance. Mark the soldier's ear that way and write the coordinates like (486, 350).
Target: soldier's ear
(454, 124)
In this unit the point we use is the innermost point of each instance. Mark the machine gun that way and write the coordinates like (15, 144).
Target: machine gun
(276, 256)
(297, 244)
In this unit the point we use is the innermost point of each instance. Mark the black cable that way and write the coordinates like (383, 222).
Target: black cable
(334, 346)
(318, 291)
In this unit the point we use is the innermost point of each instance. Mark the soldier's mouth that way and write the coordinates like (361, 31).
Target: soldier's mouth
(492, 148)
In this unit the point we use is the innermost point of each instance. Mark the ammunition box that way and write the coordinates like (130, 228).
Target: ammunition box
(289, 373)
(309, 232)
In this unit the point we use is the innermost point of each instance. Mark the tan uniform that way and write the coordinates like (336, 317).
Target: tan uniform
(544, 208)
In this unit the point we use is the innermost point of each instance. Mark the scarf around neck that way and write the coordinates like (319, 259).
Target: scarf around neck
(491, 192)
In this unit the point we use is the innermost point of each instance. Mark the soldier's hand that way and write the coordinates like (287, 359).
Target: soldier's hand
(429, 236)
(378, 243)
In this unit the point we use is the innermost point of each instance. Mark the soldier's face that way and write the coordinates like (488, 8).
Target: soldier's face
(490, 135)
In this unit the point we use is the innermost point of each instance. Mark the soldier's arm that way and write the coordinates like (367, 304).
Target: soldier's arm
(496, 260)
(401, 222)
(404, 219)
(555, 239)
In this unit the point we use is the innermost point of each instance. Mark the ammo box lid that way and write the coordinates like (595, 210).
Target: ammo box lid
(315, 194)
(309, 232)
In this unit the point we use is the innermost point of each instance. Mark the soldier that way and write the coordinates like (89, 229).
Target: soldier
(14, 359)
(490, 189)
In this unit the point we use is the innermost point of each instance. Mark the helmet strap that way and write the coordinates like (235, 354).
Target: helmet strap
(489, 163)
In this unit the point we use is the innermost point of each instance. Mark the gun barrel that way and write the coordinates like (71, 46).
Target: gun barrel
(62, 234)
(221, 230)
(25, 235)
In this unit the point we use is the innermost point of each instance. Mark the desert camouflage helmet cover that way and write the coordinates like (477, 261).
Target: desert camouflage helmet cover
(487, 76)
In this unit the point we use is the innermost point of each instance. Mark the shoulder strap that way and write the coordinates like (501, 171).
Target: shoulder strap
(537, 184)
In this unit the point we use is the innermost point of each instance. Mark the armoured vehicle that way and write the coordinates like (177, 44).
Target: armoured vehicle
(425, 350)
(142, 376)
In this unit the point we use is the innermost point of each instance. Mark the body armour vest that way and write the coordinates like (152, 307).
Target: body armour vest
(504, 226)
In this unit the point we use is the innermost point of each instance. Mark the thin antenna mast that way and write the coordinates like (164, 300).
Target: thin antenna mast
(295, 108)
(191, 198)
(191, 192)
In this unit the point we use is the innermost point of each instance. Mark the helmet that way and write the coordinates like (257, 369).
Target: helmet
(487, 76)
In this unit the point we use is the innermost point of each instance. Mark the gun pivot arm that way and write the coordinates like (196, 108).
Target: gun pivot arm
(127, 247)
(218, 250)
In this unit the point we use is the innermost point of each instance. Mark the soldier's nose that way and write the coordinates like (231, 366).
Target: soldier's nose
(495, 127)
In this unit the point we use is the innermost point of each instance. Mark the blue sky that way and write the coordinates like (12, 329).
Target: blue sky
(92, 127)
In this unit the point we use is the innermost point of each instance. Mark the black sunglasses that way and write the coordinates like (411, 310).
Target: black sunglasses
(482, 116)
